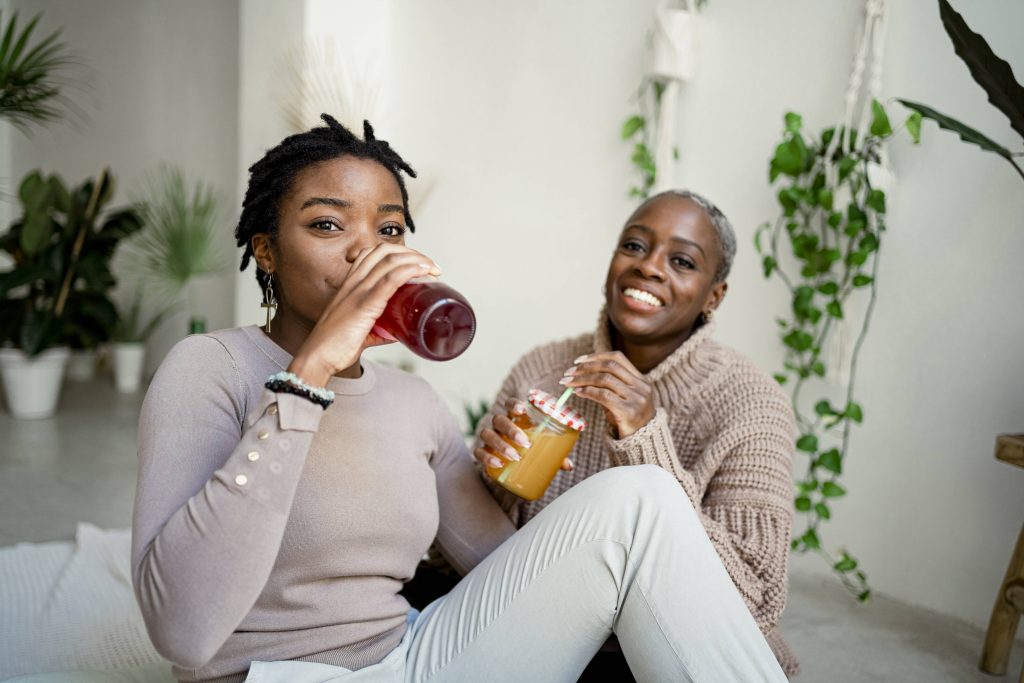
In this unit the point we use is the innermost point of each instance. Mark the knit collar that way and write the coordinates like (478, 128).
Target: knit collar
(687, 365)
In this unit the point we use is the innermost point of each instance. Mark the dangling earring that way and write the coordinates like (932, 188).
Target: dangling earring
(269, 301)
(708, 315)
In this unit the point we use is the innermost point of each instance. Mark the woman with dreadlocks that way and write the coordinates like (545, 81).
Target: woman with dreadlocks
(288, 487)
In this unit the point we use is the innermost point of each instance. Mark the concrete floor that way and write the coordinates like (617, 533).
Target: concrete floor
(80, 466)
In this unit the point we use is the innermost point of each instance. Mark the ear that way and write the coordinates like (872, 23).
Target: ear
(263, 252)
(716, 295)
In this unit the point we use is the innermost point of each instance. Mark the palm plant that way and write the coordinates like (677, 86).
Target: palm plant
(30, 87)
(179, 242)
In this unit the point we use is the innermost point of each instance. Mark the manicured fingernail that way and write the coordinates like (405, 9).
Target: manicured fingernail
(571, 371)
(522, 441)
(565, 380)
(512, 455)
(494, 462)
(426, 266)
(580, 359)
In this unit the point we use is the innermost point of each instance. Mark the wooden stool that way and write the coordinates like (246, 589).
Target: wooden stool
(1002, 627)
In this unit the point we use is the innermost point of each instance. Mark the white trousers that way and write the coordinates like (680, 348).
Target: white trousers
(622, 552)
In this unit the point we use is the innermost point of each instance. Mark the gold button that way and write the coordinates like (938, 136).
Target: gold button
(263, 435)
(272, 410)
(241, 480)
(253, 456)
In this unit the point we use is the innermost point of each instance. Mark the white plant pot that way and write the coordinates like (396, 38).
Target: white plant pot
(128, 360)
(32, 385)
(82, 365)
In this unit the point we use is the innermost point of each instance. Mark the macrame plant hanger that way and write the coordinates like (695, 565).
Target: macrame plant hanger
(870, 53)
(671, 62)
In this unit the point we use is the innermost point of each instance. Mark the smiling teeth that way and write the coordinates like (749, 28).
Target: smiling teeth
(645, 297)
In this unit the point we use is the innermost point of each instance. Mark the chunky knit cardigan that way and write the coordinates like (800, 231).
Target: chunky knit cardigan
(722, 427)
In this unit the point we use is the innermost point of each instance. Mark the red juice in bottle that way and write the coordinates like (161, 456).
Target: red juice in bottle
(431, 319)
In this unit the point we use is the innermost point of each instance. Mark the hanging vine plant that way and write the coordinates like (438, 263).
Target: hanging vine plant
(641, 129)
(833, 220)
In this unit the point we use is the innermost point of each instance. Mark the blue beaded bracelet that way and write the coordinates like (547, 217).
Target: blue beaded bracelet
(290, 383)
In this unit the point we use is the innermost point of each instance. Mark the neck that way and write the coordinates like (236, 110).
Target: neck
(645, 355)
(290, 333)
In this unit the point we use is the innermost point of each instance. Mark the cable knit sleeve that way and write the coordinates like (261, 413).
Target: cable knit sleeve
(743, 491)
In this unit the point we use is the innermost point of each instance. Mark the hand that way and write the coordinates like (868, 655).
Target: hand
(345, 328)
(494, 445)
(611, 381)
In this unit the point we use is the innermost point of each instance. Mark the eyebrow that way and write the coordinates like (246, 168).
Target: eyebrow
(345, 204)
(680, 240)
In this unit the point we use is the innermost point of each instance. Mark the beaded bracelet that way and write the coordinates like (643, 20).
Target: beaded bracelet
(290, 383)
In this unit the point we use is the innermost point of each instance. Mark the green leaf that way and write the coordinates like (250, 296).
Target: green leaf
(823, 511)
(823, 407)
(854, 412)
(818, 368)
(846, 166)
(966, 133)
(802, 503)
(831, 461)
(864, 595)
(828, 288)
(914, 127)
(36, 232)
(879, 120)
(830, 489)
(876, 200)
(793, 122)
(847, 564)
(798, 340)
(807, 443)
(834, 219)
(989, 71)
(857, 258)
(825, 199)
(862, 280)
(834, 309)
(769, 265)
(780, 378)
(790, 157)
(810, 539)
(803, 296)
(631, 126)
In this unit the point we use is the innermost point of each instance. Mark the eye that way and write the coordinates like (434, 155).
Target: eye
(632, 245)
(683, 262)
(392, 230)
(325, 224)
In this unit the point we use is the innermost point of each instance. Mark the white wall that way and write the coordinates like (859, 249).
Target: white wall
(159, 85)
(513, 111)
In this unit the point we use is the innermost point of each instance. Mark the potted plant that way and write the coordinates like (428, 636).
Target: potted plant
(55, 291)
(179, 243)
(129, 346)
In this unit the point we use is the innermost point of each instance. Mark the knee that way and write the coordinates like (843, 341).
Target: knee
(642, 482)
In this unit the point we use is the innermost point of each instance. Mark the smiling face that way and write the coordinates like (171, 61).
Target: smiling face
(661, 277)
(333, 210)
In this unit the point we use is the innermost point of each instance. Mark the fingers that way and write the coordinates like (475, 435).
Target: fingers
(486, 458)
(614, 363)
(567, 465)
(503, 425)
(515, 407)
(498, 446)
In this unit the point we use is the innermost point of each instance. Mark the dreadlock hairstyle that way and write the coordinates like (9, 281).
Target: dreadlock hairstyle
(271, 177)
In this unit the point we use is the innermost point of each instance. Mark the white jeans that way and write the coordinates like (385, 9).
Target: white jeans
(622, 552)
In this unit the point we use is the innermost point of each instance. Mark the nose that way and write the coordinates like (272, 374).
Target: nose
(365, 240)
(652, 266)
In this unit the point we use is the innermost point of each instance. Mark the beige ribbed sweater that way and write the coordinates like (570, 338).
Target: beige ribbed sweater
(722, 427)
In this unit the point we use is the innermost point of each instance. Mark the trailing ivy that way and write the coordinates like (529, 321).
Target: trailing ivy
(834, 222)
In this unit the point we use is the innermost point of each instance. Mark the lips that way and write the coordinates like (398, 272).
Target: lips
(643, 297)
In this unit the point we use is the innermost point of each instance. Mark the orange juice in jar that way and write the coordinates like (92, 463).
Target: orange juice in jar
(552, 433)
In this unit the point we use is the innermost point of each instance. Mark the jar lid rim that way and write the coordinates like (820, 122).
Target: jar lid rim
(545, 403)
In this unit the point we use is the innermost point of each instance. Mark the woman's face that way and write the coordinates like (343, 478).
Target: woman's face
(662, 273)
(334, 209)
